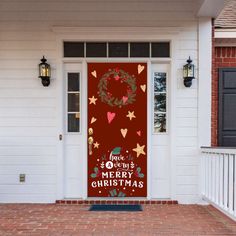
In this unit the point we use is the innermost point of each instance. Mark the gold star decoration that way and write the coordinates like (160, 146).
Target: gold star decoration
(92, 100)
(96, 145)
(139, 150)
(131, 115)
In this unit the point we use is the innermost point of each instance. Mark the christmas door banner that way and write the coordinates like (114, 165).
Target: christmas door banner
(117, 129)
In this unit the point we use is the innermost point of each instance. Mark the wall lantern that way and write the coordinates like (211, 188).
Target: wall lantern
(188, 71)
(44, 72)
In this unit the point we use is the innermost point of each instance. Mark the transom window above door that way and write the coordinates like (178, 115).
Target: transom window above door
(117, 49)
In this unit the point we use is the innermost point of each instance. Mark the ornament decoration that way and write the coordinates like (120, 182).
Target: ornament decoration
(130, 115)
(94, 73)
(92, 100)
(110, 116)
(139, 150)
(140, 68)
(93, 119)
(122, 76)
(124, 132)
(96, 145)
(143, 87)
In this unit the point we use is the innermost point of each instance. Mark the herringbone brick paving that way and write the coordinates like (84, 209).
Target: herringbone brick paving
(70, 220)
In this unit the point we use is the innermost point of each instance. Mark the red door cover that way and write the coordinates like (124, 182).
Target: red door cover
(117, 129)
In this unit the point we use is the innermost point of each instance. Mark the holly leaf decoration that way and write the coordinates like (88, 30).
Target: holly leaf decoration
(116, 150)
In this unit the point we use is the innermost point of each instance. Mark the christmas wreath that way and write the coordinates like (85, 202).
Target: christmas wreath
(117, 74)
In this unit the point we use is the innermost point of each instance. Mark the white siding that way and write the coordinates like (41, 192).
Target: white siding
(28, 111)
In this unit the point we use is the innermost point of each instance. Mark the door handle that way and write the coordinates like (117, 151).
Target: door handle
(90, 143)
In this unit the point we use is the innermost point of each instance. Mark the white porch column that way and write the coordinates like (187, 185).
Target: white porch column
(204, 80)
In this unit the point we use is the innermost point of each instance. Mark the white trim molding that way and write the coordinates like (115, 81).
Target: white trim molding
(225, 33)
(110, 34)
(210, 8)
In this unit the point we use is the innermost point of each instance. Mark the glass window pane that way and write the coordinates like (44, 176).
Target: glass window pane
(118, 49)
(74, 122)
(139, 50)
(96, 49)
(73, 49)
(160, 102)
(159, 82)
(161, 49)
(73, 102)
(159, 123)
(73, 82)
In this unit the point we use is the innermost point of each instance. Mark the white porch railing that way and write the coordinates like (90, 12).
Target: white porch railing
(218, 182)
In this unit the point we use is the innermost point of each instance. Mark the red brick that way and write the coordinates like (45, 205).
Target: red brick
(233, 51)
(229, 60)
(54, 219)
(218, 52)
(218, 60)
(228, 51)
(223, 52)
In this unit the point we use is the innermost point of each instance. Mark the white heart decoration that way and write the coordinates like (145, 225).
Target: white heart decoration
(140, 68)
(93, 120)
(94, 73)
(143, 87)
(124, 132)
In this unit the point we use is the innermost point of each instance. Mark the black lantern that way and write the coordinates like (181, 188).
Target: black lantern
(188, 71)
(44, 72)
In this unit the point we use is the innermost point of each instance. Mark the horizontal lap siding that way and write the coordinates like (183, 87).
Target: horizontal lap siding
(28, 132)
(28, 111)
(186, 152)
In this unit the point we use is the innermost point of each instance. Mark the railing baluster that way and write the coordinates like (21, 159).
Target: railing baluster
(221, 179)
(225, 182)
(230, 189)
(213, 178)
(210, 176)
(234, 185)
(203, 174)
(207, 175)
(217, 182)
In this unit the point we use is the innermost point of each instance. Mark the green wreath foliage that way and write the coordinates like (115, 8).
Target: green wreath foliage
(114, 101)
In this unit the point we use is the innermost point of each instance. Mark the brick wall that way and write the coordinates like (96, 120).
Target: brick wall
(223, 57)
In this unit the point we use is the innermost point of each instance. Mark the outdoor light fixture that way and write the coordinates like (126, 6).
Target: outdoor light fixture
(44, 72)
(188, 71)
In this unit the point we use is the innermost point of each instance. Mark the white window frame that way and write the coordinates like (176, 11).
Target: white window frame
(66, 101)
(167, 102)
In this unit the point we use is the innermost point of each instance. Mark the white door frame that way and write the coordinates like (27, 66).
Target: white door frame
(138, 34)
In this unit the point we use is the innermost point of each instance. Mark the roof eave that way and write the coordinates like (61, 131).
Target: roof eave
(210, 8)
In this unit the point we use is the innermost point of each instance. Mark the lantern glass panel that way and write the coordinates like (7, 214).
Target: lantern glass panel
(44, 70)
(190, 71)
(185, 70)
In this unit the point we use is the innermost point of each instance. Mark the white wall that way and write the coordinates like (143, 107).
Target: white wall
(29, 114)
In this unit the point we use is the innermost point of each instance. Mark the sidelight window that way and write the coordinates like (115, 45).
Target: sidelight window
(73, 102)
(160, 102)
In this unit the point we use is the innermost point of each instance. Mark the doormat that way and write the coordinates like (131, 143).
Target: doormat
(115, 208)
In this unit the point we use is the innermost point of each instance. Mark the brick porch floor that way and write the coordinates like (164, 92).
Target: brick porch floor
(53, 219)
